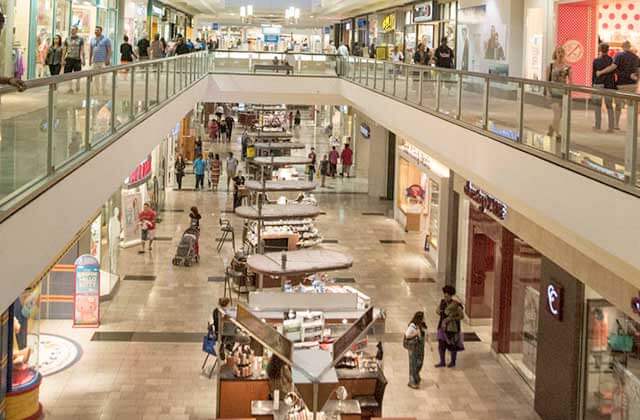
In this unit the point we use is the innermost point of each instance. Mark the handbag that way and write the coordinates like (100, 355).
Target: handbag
(620, 341)
(410, 343)
(209, 344)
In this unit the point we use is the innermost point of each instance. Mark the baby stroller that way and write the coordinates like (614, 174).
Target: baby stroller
(188, 249)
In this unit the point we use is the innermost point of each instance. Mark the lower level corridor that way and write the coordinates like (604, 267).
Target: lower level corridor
(144, 362)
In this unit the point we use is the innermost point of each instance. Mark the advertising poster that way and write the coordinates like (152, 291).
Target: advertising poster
(86, 296)
(482, 42)
(96, 237)
(132, 202)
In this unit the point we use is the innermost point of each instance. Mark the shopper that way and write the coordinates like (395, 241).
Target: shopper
(450, 313)
(444, 55)
(347, 160)
(343, 58)
(626, 65)
(311, 168)
(54, 56)
(147, 220)
(126, 53)
(219, 112)
(197, 146)
(290, 119)
(215, 171)
(280, 379)
(73, 55)
(179, 167)
(604, 81)
(181, 47)
(229, 122)
(198, 170)
(333, 162)
(156, 50)
(143, 47)
(238, 181)
(372, 49)
(213, 128)
(224, 330)
(99, 57)
(232, 168)
(244, 144)
(194, 217)
(396, 55)
(421, 56)
(558, 72)
(324, 169)
(414, 340)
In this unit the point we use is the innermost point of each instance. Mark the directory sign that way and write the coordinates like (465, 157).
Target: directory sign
(86, 296)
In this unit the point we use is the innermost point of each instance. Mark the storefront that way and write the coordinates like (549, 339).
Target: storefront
(361, 33)
(32, 26)
(135, 20)
(421, 199)
(427, 23)
(169, 22)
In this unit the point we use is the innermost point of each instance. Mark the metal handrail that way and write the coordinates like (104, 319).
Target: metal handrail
(187, 70)
(352, 70)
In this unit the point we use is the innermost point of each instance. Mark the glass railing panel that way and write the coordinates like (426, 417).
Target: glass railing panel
(154, 86)
(413, 84)
(123, 100)
(138, 84)
(100, 106)
(23, 149)
(368, 73)
(538, 125)
(504, 109)
(594, 141)
(163, 78)
(388, 74)
(472, 100)
(68, 134)
(448, 94)
(429, 88)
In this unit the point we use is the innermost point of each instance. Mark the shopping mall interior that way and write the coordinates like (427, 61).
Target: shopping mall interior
(323, 209)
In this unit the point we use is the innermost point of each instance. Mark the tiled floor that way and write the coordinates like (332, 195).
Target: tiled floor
(155, 373)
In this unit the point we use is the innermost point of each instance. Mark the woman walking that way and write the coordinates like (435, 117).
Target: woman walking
(558, 72)
(54, 56)
(414, 340)
(179, 168)
(451, 313)
(216, 166)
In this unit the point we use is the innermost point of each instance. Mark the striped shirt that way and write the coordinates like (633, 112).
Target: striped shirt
(99, 48)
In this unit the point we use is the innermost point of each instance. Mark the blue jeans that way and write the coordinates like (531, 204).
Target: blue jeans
(415, 365)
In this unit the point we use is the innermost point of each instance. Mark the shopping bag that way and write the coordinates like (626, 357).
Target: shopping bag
(209, 344)
(623, 343)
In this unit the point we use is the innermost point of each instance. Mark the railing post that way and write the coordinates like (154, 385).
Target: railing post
(631, 145)
(521, 112)
(367, 73)
(158, 72)
(459, 98)
(146, 88)
(565, 129)
(421, 81)
(384, 76)
(438, 79)
(360, 70)
(114, 79)
(406, 82)
(485, 104)
(375, 74)
(174, 76)
(87, 116)
(50, 118)
(132, 98)
(395, 68)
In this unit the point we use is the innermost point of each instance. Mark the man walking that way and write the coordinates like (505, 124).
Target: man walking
(232, 168)
(73, 55)
(333, 161)
(143, 48)
(100, 56)
(312, 166)
(199, 168)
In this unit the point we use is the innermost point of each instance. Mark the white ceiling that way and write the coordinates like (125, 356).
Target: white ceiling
(314, 13)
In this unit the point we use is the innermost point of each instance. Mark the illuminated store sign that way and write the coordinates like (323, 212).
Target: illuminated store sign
(486, 201)
(635, 304)
(140, 174)
(389, 23)
(555, 301)
(365, 130)
(423, 12)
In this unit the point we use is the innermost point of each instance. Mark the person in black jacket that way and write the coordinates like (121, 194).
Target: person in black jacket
(444, 55)
(603, 81)
(448, 339)
(181, 47)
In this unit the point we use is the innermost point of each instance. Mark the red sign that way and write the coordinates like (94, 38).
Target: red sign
(140, 174)
(576, 33)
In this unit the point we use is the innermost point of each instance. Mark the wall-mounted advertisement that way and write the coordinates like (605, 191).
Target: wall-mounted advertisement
(423, 12)
(86, 297)
(132, 202)
(482, 42)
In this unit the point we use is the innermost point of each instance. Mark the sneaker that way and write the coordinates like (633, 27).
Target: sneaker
(451, 365)
(413, 386)
(440, 365)
(140, 252)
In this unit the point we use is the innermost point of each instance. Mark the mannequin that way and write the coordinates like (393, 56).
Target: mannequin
(114, 240)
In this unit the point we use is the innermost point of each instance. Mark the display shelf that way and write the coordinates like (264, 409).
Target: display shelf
(307, 234)
(280, 186)
(279, 146)
(299, 262)
(276, 211)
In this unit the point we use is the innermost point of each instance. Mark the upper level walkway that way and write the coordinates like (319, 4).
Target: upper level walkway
(68, 142)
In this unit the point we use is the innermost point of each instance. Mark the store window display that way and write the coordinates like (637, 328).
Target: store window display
(612, 365)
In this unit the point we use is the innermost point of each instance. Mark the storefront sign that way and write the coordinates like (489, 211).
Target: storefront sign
(365, 131)
(486, 201)
(158, 11)
(555, 300)
(86, 296)
(423, 12)
(215, 26)
(389, 23)
(140, 174)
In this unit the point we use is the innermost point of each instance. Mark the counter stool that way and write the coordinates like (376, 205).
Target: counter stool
(226, 230)
(238, 282)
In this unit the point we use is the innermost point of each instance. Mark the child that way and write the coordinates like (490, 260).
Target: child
(195, 217)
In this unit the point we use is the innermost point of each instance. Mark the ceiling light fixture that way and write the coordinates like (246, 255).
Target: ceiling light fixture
(246, 12)
(292, 14)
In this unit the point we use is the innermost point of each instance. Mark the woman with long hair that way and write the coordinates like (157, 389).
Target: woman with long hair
(559, 71)
(414, 340)
(54, 56)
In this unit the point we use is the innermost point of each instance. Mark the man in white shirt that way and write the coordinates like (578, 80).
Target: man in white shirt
(343, 59)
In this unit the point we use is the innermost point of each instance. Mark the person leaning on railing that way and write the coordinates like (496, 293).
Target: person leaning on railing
(19, 84)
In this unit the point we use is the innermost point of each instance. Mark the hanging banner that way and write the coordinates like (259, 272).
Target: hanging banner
(86, 295)
(576, 33)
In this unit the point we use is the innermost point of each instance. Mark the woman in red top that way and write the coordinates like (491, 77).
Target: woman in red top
(147, 220)
(347, 160)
